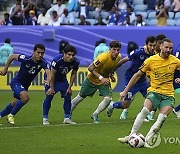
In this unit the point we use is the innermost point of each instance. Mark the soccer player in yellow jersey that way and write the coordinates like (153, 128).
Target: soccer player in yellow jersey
(98, 79)
(160, 94)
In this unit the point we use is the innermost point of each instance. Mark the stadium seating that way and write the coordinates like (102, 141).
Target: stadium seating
(177, 16)
(140, 7)
(177, 22)
(151, 15)
(170, 22)
(92, 21)
(135, 2)
(152, 22)
(144, 14)
(171, 15)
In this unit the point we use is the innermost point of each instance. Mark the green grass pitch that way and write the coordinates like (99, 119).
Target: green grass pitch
(29, 136)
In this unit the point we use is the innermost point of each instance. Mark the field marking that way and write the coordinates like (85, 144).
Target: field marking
(58, 125)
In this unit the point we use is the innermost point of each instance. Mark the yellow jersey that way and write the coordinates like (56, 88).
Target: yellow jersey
(161, 73)
(104, 65)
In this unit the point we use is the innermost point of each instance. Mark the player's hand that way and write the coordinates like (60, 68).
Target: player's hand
(122, 96)
(50, 91)
(3, 72)
(69, 90)
(177, 80)
(105, 81)
(46, 82)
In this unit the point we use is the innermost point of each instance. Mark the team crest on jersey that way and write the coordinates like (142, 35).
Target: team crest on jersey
(142, 57)
(97, 62)
(27, 65)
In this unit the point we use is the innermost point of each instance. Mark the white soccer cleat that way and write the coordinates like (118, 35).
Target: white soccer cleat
(124, 139)
(95, 118)
(123, 115)
(45, 121)
(176, 113)
(110, 109)
(10, 119)
(69, 121)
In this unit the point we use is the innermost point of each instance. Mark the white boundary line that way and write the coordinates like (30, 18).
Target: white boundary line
(78, 124)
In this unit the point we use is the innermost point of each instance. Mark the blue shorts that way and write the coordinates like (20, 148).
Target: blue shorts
(59, 87)
(17, 88)
(176, 85)
(138, 87)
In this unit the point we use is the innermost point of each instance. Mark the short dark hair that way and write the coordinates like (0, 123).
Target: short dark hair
(150, 39)
(7, 40)
(102, 40)
(40, 46)
(62, 45)
(70, 48)
(160, 37)
(167, 40)
(115, 44)
(131, 46)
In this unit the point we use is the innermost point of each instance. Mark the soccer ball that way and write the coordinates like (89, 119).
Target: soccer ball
(136, 140)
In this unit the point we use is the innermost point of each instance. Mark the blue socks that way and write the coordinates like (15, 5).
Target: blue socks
(47, 105)
(118, 105)
(17, 107)
(177, 108)
(7, 110)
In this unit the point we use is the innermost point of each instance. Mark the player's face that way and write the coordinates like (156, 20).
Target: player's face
(69, 57)
(114, 53)
(166, 49)
(158, 43)
(151, 47)
(38, 54)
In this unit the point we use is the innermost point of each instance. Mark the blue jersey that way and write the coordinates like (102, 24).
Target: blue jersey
(177, 73)
(63, 68)
(29, 69)
(137, 57)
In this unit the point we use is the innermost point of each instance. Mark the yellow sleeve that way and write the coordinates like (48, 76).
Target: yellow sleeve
(99, 60)
(145, 67)
(178, 65)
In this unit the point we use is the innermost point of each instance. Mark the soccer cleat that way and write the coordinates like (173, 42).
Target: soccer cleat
(146, 145)
(149, 117)
(10, 119)
(95, 118)
(45, 121)
(123, 115)
(110, 110)
(124, 139)
(176, 113)
(68, 121)
(146, 120)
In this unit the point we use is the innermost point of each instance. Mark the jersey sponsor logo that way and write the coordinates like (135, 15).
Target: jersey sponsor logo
(22, 56)
(53, 63)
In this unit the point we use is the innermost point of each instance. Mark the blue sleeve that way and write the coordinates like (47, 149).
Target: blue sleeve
(132, 55)
(22, 58)
(76, 66)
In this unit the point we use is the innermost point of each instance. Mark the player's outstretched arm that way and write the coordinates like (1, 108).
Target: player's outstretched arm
(12, 57)
(133, 80)
(121, 62)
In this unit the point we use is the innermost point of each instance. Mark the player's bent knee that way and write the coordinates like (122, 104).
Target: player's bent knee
(145, 110)
(107, 99)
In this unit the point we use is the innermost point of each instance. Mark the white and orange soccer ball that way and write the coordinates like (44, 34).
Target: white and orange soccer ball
(136, 140)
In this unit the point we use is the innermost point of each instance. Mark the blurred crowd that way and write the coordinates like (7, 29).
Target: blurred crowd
(88, 12)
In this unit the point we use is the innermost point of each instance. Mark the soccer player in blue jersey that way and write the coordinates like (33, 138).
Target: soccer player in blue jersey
(60, 67)
(137, 57)
(176, 84)
(30, 67)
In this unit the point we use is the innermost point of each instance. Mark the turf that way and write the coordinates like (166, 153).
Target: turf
(28, 135)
